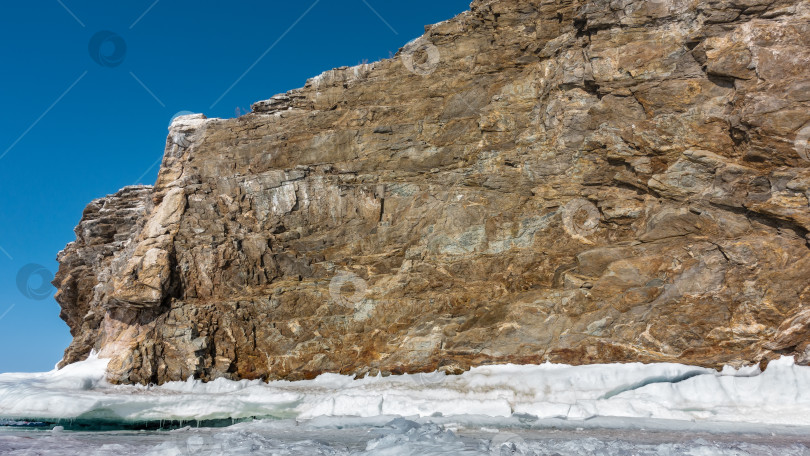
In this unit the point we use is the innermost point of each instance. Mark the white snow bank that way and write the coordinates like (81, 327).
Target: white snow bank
(780, 395)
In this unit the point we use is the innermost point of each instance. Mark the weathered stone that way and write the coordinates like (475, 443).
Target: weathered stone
(532, 180)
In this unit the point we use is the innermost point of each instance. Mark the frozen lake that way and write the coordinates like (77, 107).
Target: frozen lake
(387, 436)
(614, 409)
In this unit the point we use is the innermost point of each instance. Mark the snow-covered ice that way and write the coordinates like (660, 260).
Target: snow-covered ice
(780, 395)
(463, 414)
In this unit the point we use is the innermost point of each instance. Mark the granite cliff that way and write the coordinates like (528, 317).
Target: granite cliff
(534, 180)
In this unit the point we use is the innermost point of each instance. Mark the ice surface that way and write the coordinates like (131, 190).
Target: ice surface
(780, 395)
(616, 409)
(390, 437)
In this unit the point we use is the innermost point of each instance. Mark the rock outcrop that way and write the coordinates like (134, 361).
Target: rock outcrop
(573, 181)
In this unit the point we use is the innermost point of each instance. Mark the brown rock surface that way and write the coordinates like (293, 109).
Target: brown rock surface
(578, 182)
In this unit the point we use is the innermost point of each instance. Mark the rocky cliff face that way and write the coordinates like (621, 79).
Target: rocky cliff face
(572, 181)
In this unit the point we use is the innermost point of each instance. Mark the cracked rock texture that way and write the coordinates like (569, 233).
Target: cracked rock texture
(574, 181)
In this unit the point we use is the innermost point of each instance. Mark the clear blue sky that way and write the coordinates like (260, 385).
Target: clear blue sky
(107, 130)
